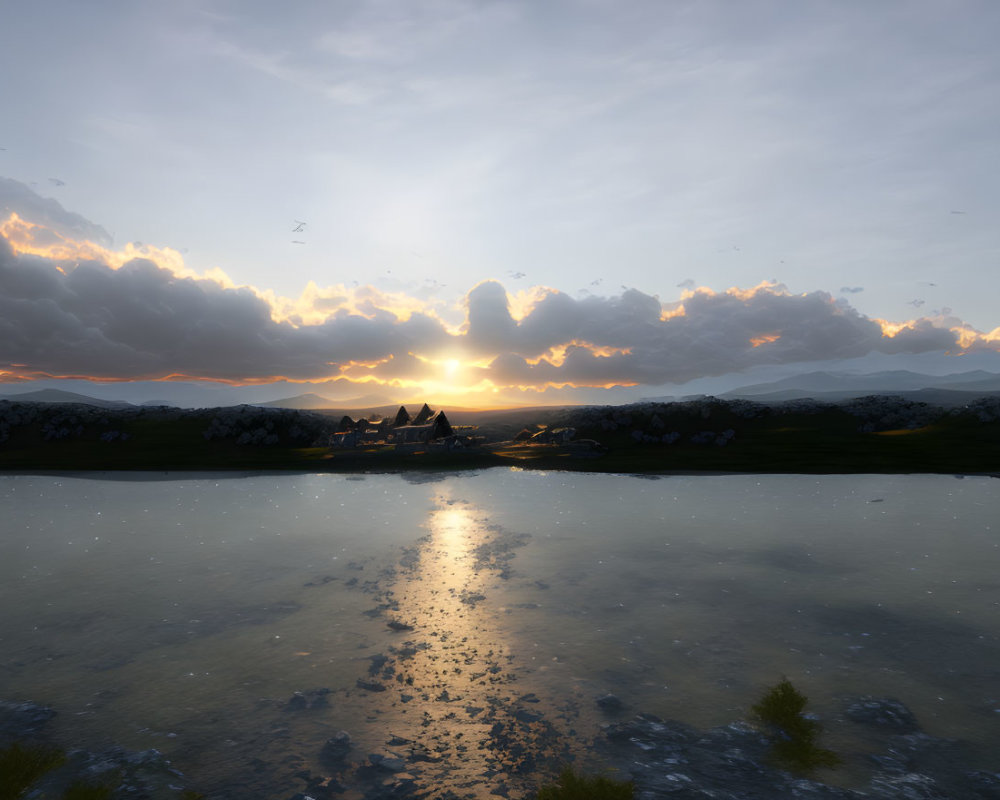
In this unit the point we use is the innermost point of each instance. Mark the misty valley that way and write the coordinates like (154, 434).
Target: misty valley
(467, 635)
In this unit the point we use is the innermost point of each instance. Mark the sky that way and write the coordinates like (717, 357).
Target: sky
(494, 202)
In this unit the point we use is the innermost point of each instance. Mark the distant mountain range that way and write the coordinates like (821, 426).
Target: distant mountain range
(59, 396)
(311, 400)
(306, 401)
(943, 390)
(954, 389)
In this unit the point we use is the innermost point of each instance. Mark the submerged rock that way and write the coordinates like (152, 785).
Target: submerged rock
(883, 712)
(610, 702)
(670, 759)
(336, 750)
(23, 720)
(307, 700)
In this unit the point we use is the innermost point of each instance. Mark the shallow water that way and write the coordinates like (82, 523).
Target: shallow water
(184, 613)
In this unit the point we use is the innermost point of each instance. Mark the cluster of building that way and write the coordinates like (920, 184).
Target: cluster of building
(426, 427)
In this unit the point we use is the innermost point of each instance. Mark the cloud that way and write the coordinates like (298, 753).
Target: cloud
(17, 198)
(143, 322)
(110, 315)
(626, 339)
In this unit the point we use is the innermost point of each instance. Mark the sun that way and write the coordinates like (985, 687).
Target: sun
(451, 366)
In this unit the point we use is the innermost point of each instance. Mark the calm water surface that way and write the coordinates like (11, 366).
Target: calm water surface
(184, 613)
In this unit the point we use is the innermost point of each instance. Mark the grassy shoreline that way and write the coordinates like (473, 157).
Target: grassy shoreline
(706, 436)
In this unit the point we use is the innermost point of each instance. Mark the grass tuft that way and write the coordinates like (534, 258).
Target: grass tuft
(571, 786)
(21, 766)
(793, 735)
(80, 790)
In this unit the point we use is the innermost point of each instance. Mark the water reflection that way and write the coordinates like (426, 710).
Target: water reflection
(444, 687)
(461, 629)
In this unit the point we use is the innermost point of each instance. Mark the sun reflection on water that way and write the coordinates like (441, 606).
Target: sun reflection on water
(457, 721)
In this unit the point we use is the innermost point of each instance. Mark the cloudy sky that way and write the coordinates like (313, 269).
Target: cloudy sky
(499, 201)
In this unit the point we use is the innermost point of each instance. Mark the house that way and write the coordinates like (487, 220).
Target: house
(427, 426)
(436, 427)
(423, 416)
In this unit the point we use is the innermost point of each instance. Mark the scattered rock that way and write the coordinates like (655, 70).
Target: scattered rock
(320, 581)
(610, 703)
(20, 720)
(883, 712)
(336, 749)
(378, 661)
(310, 699)
(396, 625)
(672, 759)
(387, 763)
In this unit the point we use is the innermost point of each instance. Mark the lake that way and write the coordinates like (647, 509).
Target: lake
(236, 623)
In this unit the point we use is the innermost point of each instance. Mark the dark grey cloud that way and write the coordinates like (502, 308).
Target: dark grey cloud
(717, 333)
(142, 321)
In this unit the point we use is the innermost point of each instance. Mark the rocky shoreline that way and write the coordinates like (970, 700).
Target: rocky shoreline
(142, 774)
(664, 759)
(435, 707)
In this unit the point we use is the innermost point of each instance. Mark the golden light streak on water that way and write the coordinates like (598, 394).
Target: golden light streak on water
(445, 688)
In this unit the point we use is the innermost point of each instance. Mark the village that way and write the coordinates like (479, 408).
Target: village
(428, 429)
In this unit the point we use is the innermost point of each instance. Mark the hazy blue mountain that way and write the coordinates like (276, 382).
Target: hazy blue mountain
(59, 396)
(311, 400)
(951, 389)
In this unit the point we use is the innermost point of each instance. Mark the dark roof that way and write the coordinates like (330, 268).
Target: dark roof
(423, 415)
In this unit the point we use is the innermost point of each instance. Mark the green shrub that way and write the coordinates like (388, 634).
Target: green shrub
(79, 790)
(793, 736)
(571, 786)
(21, 766)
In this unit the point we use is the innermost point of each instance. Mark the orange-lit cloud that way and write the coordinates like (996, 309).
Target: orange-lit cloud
(764, 338)
(28, 238)
(73, 307)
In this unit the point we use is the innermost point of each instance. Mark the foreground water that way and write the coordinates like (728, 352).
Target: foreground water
(473, 620)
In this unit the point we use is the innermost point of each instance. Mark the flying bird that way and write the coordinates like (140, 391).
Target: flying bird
(516, 275)
(597, 282)
(57, 182)
(299, 226)
(915, 303)
(297, 241)
(957, 212)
